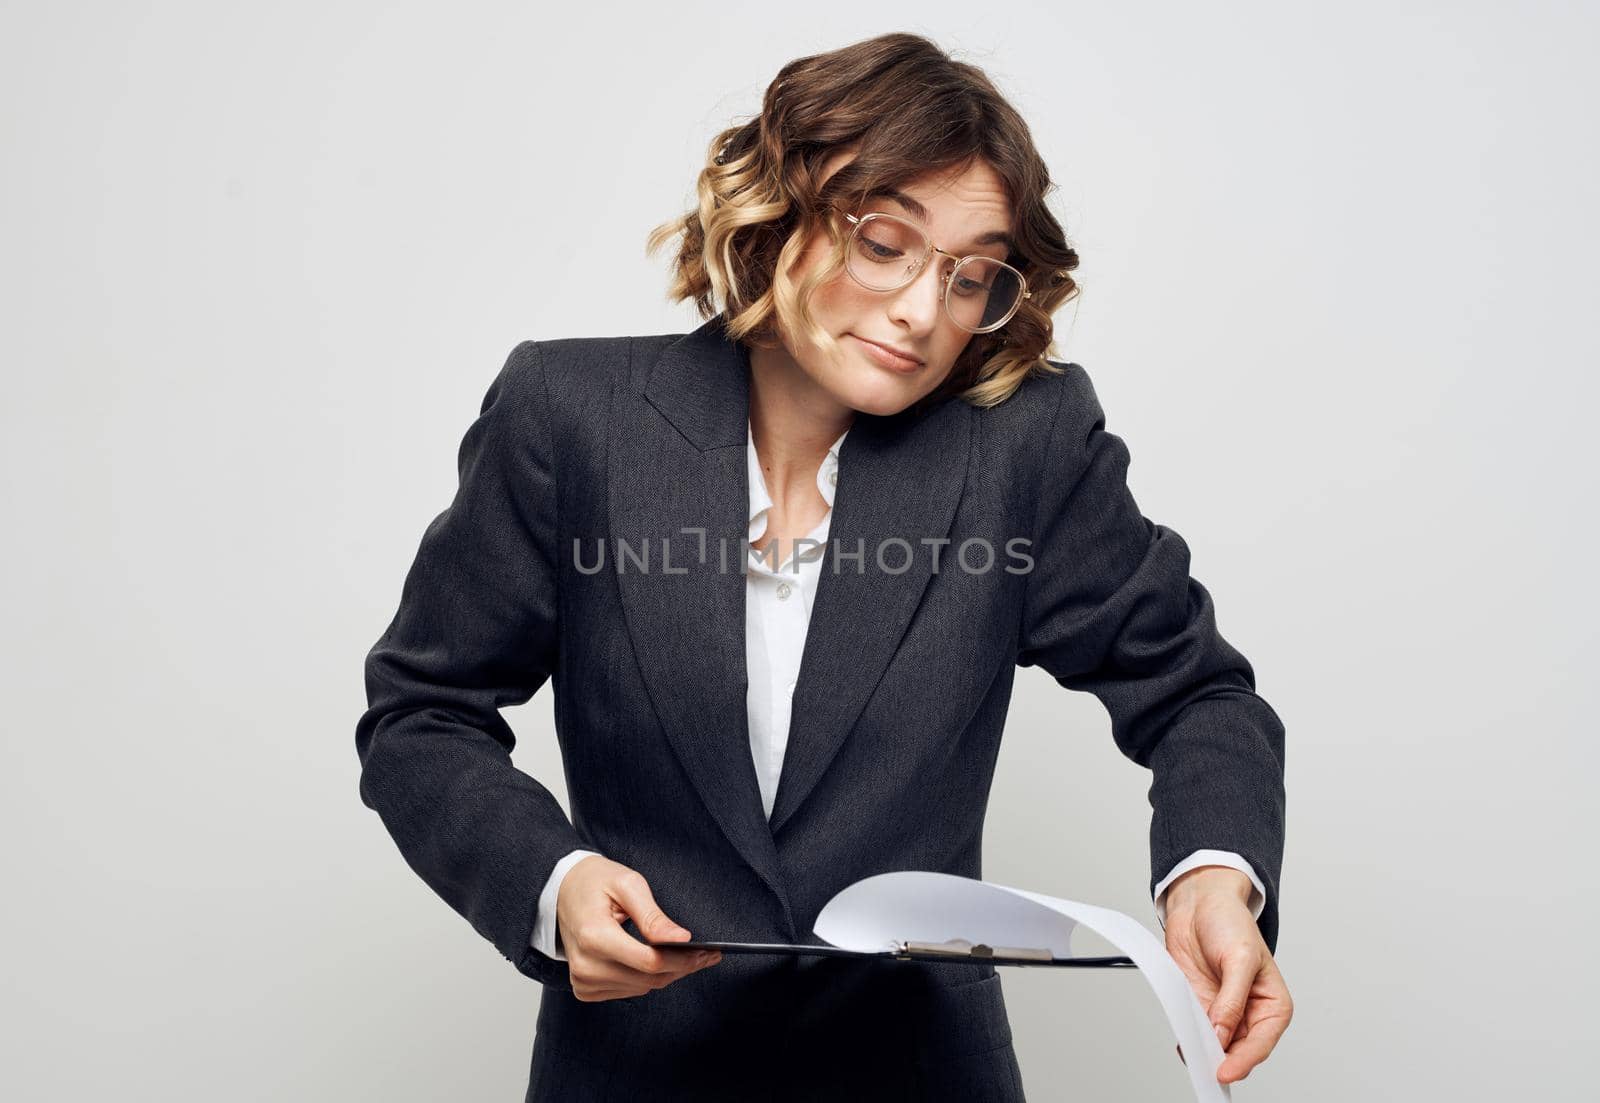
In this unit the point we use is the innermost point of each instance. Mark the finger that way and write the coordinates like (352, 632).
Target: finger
(623, 991)
(1227, 1009)
(632, 894)
(624, 980)
(1269, 1018)
(1250, 1050)
(679, 966)
(601, 941)
(597, 995)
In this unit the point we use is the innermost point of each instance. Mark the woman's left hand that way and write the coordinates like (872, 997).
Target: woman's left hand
(1215, 941)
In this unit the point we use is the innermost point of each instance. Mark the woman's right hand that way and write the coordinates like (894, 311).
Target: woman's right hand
(606, 962)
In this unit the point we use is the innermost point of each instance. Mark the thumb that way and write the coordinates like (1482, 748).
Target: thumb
(1227, 1009)
(633, 893)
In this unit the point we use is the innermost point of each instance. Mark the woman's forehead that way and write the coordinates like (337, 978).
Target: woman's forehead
(968, 202)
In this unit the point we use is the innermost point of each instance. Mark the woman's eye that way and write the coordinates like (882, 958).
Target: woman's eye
(877, 251)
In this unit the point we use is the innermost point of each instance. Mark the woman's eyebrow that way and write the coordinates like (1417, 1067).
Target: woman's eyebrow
(912, 206)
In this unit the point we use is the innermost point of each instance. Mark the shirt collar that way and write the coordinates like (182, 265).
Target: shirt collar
(761, 501)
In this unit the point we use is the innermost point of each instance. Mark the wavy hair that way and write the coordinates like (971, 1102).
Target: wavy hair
(909, 109)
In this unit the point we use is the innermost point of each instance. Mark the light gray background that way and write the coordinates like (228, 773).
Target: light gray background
(261, 263)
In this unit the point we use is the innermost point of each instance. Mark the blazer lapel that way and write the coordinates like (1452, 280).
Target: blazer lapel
(678, 462)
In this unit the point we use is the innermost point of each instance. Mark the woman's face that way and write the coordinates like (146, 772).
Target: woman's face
(957, 209)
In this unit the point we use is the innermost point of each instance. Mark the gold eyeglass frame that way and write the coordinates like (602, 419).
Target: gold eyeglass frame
(857, 222)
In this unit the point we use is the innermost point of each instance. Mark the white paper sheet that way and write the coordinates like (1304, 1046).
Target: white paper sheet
(915, 905)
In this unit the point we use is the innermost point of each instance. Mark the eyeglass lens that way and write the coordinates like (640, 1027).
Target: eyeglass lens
(884, 254)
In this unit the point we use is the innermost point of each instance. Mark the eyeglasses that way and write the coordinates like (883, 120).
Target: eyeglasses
(886, 252)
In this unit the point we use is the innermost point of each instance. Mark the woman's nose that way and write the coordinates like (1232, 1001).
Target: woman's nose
(918, 303)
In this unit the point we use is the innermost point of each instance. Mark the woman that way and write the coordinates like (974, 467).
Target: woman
(782, 571)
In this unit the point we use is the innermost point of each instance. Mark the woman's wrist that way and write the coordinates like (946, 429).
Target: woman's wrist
(1204, 880)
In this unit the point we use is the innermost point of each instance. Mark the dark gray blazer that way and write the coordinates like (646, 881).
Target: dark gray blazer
(902, 697)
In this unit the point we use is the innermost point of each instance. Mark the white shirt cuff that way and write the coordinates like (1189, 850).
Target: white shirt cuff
(1258, 894)
(544, 920)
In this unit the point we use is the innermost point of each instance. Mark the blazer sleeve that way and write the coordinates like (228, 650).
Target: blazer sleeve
(476, 630)
(1110, 608)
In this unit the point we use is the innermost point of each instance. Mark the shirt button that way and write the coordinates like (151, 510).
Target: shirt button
(784, 590)
(833, 478)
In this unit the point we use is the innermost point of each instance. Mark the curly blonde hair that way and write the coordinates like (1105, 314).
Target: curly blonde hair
(909, 109)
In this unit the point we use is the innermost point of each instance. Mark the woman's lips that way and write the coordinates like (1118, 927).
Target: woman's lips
(886, 359)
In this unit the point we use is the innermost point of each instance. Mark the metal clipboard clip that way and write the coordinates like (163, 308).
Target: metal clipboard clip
(960, 947)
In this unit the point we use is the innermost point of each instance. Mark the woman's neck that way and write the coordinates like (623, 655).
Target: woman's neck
(792, 421)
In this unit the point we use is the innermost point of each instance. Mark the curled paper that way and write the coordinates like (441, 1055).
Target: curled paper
(873, 914)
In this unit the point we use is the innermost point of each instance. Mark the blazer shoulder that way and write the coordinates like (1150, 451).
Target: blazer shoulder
(1048, 405)
(1043, 434)
(565, 361)
(574, 381)
(589, 367)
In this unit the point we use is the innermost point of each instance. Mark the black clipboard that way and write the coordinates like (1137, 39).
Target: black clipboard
(956, 950)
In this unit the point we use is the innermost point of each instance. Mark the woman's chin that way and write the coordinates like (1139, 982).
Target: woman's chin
(881, 395)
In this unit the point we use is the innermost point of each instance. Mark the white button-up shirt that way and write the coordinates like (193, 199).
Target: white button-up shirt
(777, 611)
(778, 600)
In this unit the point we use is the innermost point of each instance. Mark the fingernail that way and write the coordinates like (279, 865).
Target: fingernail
(1222, 1036)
